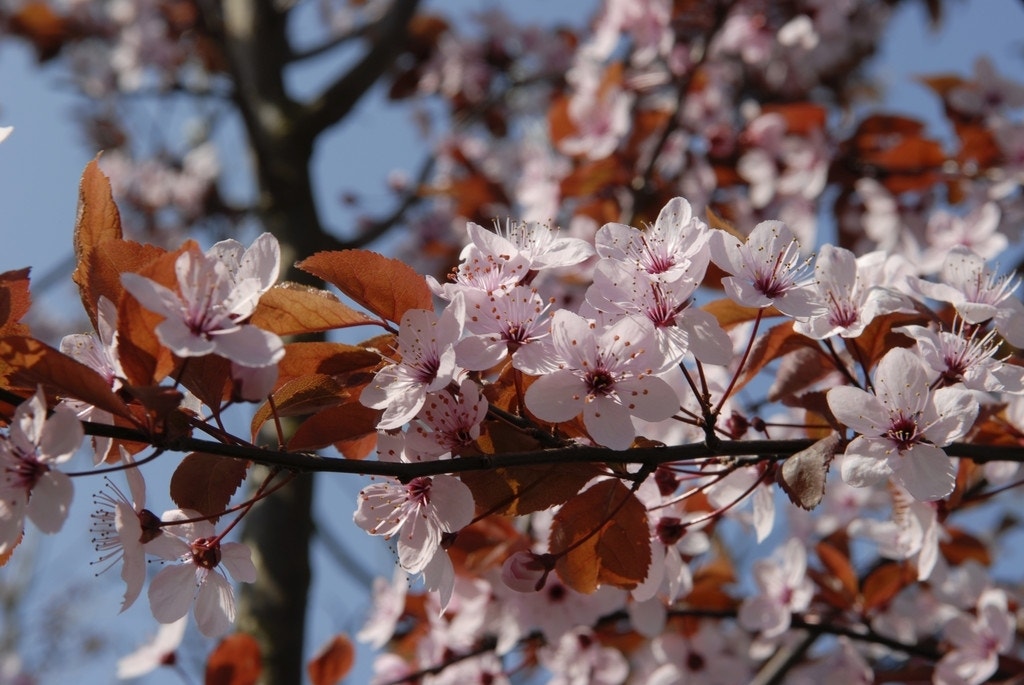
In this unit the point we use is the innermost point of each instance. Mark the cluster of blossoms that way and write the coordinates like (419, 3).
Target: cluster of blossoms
(622, 363)
(635, 361)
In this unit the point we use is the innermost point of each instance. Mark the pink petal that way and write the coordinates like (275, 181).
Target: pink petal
(608, 423)
(250, 346)
(866, 462)
(237, 559)
(170, 592)
(50, 500)
(556, 397)
(61, 436)
(925, 471)
(215, 606)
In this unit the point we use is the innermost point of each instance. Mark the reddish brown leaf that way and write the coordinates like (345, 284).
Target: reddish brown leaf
(342, 423)
(144, 359)
(103, 269)
(237, 660)
(730, 314)
(98, 220)
(333, 359)
(385, 286)
(801, 117)
(601, 537)
(293, 309)
(523, 490)
(941, 84)
(209, 379)
(332, 662)
(32, 362)
(36, 21)
(884, 583)
(206, 482)
(304, 395)
(802, 475)
(840, 577)
(15, 300)
(959, 546)
(780, 340)
(798, 370)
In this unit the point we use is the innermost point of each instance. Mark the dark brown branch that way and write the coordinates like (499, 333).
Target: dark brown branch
(338, 99)
(737, 452)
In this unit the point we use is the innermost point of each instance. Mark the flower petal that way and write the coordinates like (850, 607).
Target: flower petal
(925, 471)
(170, 593)
(215, 606)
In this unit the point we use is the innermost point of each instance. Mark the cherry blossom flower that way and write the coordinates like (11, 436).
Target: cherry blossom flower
(418, 513)
(447, 422)
(30, 485)
(199, 574)
(703, 658)
(216, 292)
(978, 293)
(160, 651)
(426, 343)
(977, 642)
(902, 427)
(851, 292)
(766, 270)
(509, 324)
(123, 527)
(5, 131)
(912, 533)
(675, 247)
(978, 232)
(678, 327)
(423, 514)
(784, 589)
(388, 607)
(606, 374)
(481, 274)
(965, 355)
(579, 658)
(99, 353)
(541, 246)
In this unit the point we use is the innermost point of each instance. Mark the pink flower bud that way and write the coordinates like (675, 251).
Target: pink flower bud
(526, 571)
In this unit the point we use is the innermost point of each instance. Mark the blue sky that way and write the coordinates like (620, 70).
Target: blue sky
(41, 162)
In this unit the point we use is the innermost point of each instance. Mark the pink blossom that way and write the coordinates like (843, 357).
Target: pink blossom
(5, 131)
(965, 355)
(579, 658)
(977, 642)
(978, 232)
(511, 323)
(766, 270)
(679, 328)
(99, 353)
(447, 422)
(30, 485)
(606, 374)
(851, 292)
(388, 607)
(902, 427)
(160, 651)
(784, 589)
(978, 293)
(216, 292)
(122, 527)
(704, 658)
(199, 574)
(418, 513)
(675, 247)
(426, 343)
(541, 246)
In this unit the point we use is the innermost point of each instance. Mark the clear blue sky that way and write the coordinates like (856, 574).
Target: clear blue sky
(41, 162)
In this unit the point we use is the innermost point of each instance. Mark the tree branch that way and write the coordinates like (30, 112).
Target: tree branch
(338, 99)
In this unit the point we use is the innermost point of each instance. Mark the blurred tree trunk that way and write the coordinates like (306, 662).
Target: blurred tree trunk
(282, 135)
